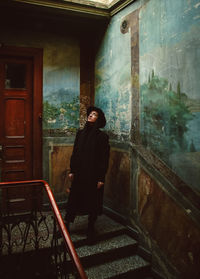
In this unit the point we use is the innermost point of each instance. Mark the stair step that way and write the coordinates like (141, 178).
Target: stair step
(114, 253)
(122, 268)
(107, 250)
(104, 226)
(106, 245)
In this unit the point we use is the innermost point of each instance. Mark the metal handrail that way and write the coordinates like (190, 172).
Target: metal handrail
(65, 233)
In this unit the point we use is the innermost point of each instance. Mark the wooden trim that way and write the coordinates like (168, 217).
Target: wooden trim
(174, 185)
(36, 55)
(80, 8)
(37, 113)
(117, 6)
(96, 9)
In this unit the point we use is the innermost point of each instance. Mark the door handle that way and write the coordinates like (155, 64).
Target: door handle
(1, 149)
(1, 152)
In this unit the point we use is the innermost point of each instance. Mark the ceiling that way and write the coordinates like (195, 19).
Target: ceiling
(97, 8)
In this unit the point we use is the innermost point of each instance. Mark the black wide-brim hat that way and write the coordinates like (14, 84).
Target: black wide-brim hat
(101, 120)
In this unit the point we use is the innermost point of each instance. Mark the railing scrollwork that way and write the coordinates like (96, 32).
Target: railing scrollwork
(33, 237)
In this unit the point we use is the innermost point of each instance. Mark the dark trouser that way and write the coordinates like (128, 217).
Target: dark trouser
(91, 220)
(92, 217)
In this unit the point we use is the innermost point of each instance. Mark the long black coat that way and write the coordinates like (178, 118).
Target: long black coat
(89, 164)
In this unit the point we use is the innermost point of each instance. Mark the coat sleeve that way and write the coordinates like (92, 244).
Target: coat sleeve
(74, 157)
(103, 158)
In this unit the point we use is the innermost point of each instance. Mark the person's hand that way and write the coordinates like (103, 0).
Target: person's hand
(71, 176)
(68, 190)
(100, 184)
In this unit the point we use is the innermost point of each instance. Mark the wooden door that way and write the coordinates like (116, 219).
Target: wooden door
(20, 117)
(16, 119)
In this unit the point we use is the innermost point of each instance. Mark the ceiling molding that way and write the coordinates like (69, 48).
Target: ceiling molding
(81, 7)
(118, 6)
(68, 6)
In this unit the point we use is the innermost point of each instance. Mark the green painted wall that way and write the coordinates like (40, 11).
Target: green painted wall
(61, 85)
(169, 71)
(169, 80)
(163, 108)
(113, 79)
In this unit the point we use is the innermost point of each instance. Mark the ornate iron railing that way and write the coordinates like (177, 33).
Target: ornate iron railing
(34, 241)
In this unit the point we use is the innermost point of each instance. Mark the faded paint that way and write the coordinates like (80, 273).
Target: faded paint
(117, 188)
(113, 79)
(162, 84)
(61, 81)
(169, 80)
(59, 164)
(61, 74)
(172, 229)
(61, 85)
(145, 191)
(167, 47)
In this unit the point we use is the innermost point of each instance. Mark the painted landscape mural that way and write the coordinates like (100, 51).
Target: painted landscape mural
(61, 88)
(61, 115)
(170, 85)
(113, 80)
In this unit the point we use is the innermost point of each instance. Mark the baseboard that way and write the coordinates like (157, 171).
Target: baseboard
(122, 220)
(132, 232)
(141, 250)
(114, 215)
(144, 253)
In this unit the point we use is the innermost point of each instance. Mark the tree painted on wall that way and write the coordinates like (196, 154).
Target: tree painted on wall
(164, 117)
(63, 116)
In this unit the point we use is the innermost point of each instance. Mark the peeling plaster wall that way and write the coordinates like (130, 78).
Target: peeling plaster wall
(61, 84)
(139, 71)
(169, 84)
(170, 226)
(118, 174)
(113, 79)
(137, 181)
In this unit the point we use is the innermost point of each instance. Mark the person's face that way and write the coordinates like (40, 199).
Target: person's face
(92, 117)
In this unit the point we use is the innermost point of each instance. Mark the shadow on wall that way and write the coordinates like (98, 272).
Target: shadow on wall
(117, 188)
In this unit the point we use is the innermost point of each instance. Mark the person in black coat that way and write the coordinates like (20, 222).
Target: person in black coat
(88, 167)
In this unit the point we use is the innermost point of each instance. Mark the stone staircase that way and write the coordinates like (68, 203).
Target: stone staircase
(115, 253)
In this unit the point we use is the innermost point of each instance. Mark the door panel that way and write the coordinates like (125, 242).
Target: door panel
(16, 120)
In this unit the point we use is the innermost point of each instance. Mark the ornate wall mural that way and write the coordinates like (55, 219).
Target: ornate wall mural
(169, 84)
(113, 79)
(61, 115)
(61, 88)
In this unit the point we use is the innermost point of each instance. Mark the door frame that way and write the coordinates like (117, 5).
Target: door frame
(36, 54)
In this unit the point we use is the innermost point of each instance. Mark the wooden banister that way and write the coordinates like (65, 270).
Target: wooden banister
(61, 224)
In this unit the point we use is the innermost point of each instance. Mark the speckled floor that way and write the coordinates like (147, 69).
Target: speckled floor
(103, 225)
(116, 267)
(105, 245)
(109, 256)
(113, 253)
